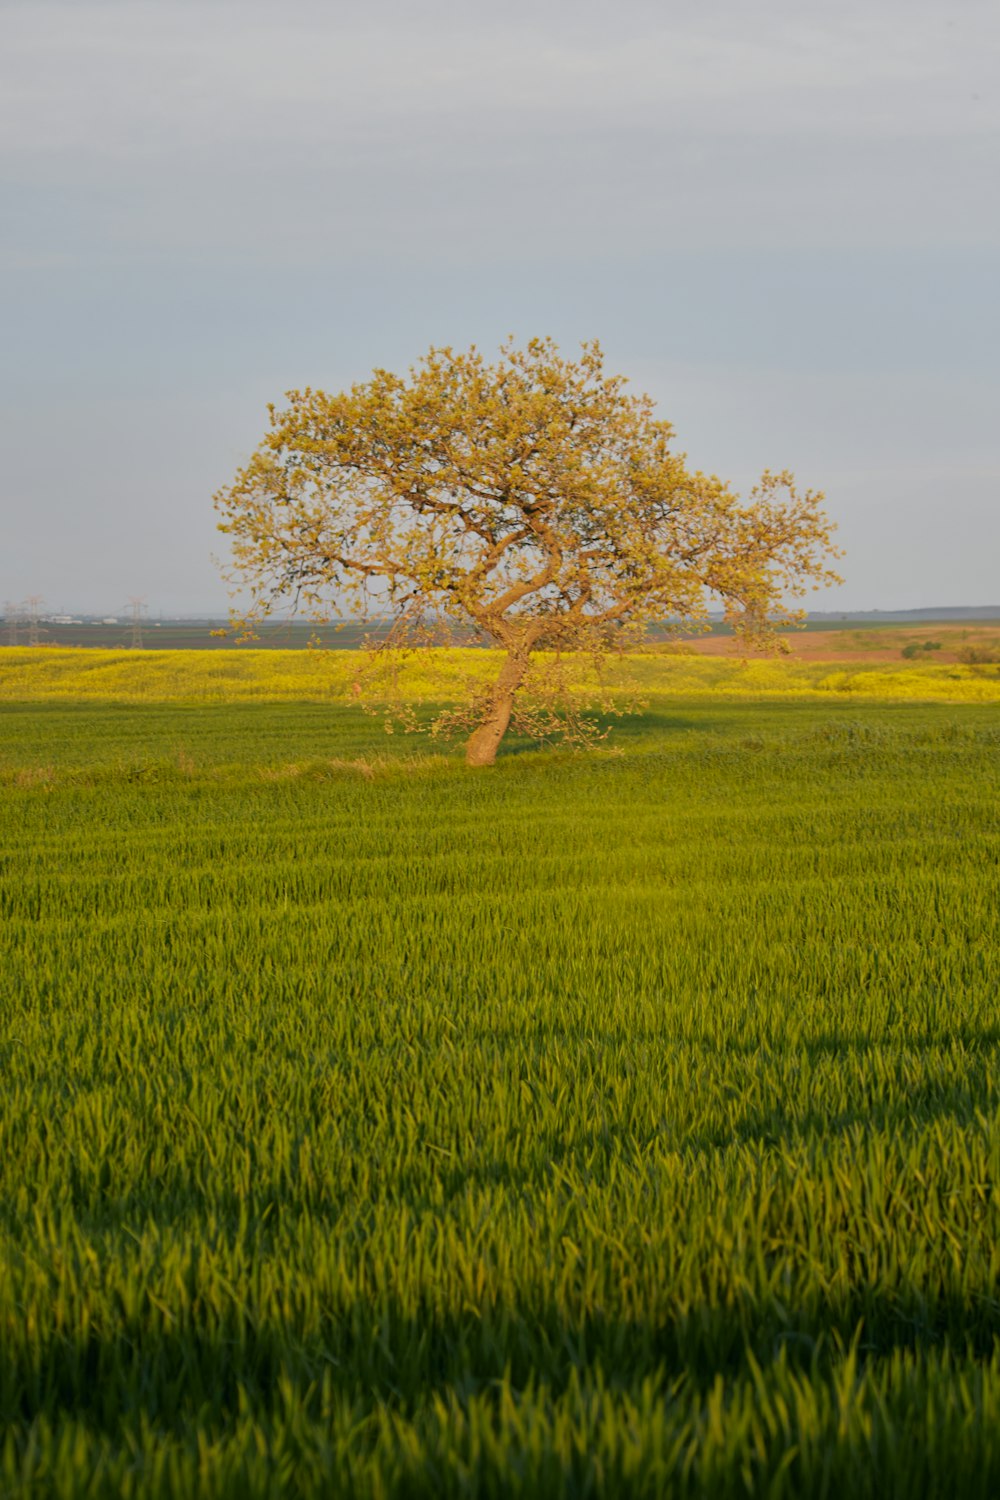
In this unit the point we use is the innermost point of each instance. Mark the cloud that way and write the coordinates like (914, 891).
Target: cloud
(464, 129)
(133, 80)
(780, 217)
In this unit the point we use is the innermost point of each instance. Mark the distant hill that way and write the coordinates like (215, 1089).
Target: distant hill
(206, 632)
(903, 616)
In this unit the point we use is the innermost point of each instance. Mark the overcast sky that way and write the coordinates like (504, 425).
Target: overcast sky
(782, 220)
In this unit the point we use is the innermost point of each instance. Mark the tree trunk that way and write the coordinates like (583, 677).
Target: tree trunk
(484, 742)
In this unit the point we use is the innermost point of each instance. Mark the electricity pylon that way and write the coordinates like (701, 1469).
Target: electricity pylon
(137, 608)
(12, 619)
(33, 604)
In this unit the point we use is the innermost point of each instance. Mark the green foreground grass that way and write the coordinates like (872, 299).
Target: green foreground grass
(622, 1124)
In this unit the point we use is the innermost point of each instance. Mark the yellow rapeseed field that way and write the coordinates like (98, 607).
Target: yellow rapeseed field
(42, 674)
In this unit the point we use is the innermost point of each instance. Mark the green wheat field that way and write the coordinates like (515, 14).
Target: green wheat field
(622, 1123)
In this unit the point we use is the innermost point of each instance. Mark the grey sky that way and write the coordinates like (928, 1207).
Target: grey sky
(782, 220)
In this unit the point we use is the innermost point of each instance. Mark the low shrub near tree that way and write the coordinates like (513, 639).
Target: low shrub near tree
(979, 655)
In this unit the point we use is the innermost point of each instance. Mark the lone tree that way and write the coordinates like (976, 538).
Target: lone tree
(536, 500)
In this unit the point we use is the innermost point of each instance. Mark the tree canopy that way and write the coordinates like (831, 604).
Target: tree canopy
(536, 499)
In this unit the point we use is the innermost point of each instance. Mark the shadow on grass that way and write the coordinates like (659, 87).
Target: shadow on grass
(144, 1360)
(616, 733)
(662, 722)
(380, 1352)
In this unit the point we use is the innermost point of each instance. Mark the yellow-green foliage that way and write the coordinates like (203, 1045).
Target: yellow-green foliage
(245, 675)
(538, 498)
